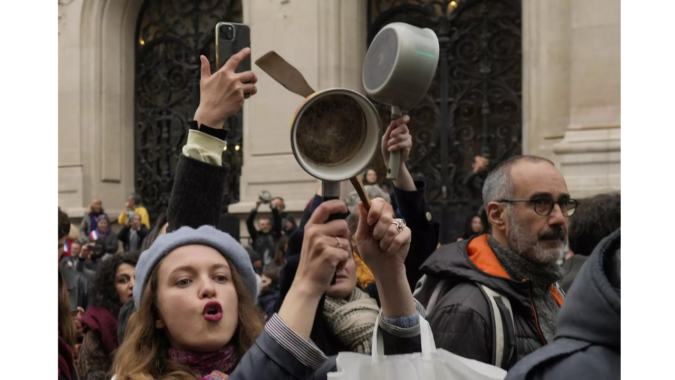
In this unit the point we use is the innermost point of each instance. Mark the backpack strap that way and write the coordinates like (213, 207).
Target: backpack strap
(503, 337)
(434, 295)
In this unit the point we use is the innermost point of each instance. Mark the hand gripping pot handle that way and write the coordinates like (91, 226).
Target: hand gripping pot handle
(428, 344)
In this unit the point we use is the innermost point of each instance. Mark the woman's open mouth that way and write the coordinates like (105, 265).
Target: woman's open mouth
(213, 312)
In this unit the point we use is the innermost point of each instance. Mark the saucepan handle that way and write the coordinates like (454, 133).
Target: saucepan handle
(394, 157)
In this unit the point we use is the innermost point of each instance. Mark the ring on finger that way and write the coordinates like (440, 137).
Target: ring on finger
(400, 224)
(339, 245)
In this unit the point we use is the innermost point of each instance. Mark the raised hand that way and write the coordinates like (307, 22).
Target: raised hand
(384, 247)
(380, 243)
(319, 259)
(222, 93)
(397, 137)
(321, 255)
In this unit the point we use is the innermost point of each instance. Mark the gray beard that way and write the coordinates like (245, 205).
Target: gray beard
(533, 249)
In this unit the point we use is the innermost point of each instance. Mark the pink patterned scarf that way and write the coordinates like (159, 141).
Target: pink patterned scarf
(212, 365)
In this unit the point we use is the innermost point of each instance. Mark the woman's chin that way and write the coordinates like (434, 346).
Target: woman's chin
(340, 290)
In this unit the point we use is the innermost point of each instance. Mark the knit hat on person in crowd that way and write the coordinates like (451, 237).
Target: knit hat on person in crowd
(204, 235)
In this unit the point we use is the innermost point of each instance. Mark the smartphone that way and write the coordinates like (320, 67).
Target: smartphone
(230, 39)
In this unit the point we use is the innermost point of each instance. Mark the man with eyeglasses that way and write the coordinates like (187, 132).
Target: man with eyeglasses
(495, 298)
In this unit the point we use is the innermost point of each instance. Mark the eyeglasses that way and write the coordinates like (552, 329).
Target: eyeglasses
(544, 206)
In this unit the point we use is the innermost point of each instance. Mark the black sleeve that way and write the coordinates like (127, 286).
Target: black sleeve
(123, 235)
(424, 232)
(463, 332)
(86, 292)
(276, 224)
(143, 232)
(394, 345)
(110, 244)
(250, 226)
(197, 195)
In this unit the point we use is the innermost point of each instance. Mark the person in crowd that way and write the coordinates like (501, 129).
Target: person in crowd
(66, 347)
(71, 260)
(528, 206)
(270, 290)
(596, 218)
(113, 287)
(474, 181)
(134, 206)
(587, 345)
(263, 238)
(101, 244)
(282, 218)
(370, 177)
(160, 227)
(73, 236)
(256, 260)
(472, 226)
(89, 221)
(280, 253)
(77, 284)
(67, 329)
(133, 233)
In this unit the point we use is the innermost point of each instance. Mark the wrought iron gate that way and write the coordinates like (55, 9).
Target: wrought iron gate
(474, 105)
(170, 37)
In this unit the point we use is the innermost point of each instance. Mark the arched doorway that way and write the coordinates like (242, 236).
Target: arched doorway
(170, 37)
(474, 106)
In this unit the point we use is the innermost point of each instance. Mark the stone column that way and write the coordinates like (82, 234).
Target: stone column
(589, 155)
(571, 90)
(96, 103)
(326, 41)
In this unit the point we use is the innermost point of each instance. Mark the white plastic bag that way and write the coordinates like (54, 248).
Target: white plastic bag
(430, 364)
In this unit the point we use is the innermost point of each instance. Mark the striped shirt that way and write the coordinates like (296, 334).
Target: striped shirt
(310, 355)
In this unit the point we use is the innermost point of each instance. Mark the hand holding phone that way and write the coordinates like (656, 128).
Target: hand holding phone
(222, 93)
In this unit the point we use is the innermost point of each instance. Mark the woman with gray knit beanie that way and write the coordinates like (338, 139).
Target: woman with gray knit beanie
(195, 301)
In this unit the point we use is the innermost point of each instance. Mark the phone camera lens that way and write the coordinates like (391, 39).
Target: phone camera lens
(226, 32)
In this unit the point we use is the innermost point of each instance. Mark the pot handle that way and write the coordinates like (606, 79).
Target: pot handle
(394, 157)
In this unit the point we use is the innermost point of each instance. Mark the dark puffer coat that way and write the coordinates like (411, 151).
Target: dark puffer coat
(461, 320)
(587, 345)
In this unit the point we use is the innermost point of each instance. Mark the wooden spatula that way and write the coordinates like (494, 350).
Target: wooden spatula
(284, 73)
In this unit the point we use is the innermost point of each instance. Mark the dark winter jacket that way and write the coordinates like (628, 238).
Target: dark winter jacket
(571, 268)
(266, 302)
(79, 289)
(461, 320)
(587, 345)
(125, 233)
(264, 242)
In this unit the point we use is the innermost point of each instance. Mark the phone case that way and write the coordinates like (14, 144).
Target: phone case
(227, 48)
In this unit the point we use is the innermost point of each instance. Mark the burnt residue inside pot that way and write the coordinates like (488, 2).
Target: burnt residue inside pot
(331, 130)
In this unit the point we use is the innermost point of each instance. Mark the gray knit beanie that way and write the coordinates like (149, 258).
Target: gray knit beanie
(205, 235)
